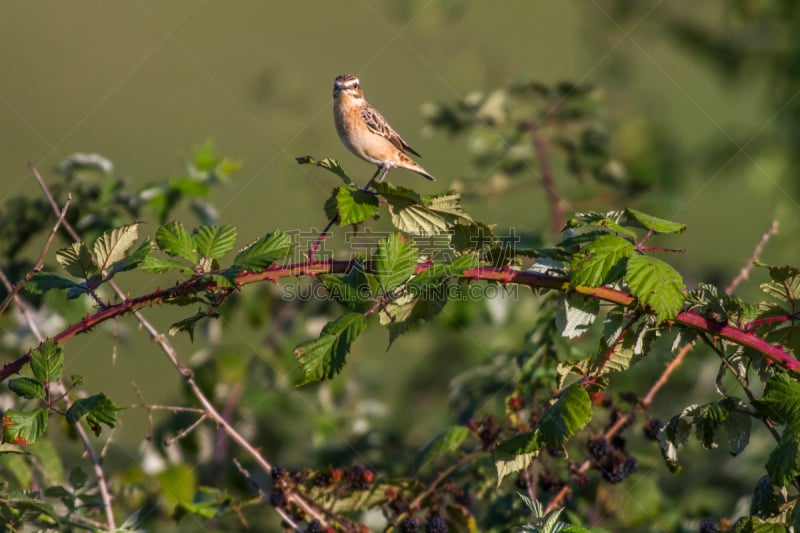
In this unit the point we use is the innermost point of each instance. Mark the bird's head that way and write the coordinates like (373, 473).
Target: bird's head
(347, 85)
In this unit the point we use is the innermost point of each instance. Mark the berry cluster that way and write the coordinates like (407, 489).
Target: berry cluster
(436, 524)
(360, 478)
(614, 463)
(487, 430)
(708, 526)
(652, 428)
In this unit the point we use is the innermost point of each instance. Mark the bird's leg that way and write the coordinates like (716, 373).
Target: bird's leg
(385, 172)
(369, 183)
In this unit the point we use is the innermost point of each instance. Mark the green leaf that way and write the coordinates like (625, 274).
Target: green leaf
(402, 314)
(781, 400)
(46, 281)
(24, 427)
(395, 261)
(76, 260)
(516, 453)
(27, 388)
(77, 477)
(351, 205)
(782, 462)
(447, 442)
(98, 409)
(328, 164)
(132, 260)
(344, 292)
(157, 265)
(47, 361)
(264, 252)
(178, 484)
(571, 412)
(657, 225)
(189, 323)
(112, 245)
(214, 242)
(324, 357)
(576, 314)
(656, 284)
(174, 240)
(207, 504)
(600, 262)
(609, 221)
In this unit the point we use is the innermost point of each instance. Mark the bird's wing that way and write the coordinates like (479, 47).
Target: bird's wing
(378, 124)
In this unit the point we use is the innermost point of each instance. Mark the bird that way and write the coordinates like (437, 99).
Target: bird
(365, 132)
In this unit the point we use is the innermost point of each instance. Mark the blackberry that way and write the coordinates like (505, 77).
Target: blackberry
(652, 428)
(708, 526)
(436, 525)
(322, 480)
(314, 527)
(617, 470)
(409, 525)
(277, 498)
(278, 471)
(598, 447)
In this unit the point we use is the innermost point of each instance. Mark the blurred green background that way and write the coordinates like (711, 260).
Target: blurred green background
(709, 114)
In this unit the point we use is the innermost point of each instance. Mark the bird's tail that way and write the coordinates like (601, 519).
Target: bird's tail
(410, 164)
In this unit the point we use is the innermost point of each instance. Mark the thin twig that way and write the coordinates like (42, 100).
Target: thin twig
(105, 494)
(185, 431)
(745, 271)
(321, 237)
(186, 373)
(39, 262)
(542, 147)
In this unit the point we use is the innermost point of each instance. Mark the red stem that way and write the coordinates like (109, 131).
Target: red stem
(198, 284)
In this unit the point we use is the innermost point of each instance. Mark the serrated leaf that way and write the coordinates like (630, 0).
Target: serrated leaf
(515, 454)
(24, 427)
(214, 242)
(324, 357)
(575, 314)
(782, 462)
(656, 284)
(188, 324)
(47, 361)
(600, 262)
(405, 313)
(112, 245)
(132, 260)
(608, 220)
(264, 252)
(738, 427)
(781, 400)
(98, 409)
(764, 501)
(571, 412)
(447, 442)
(158, 265)
(651, 223)
(12, 449)
(27, 388)
(351, 205)
(174, 240)
(45, 281)
(328, 164)
(342, 292)
(394, 261)
(76, 260)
